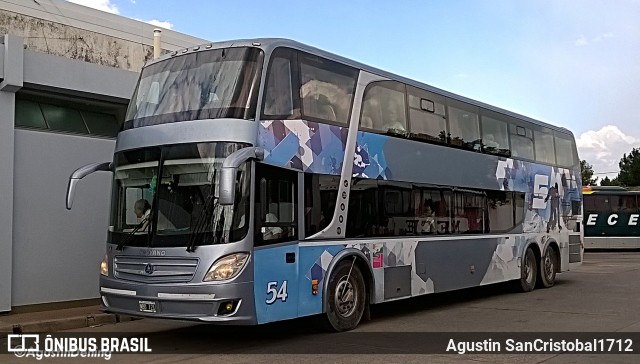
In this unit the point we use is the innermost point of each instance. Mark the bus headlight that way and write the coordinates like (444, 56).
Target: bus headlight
(226, 267)
(104, 266)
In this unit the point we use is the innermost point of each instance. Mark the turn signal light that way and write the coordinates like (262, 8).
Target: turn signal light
(314, 287)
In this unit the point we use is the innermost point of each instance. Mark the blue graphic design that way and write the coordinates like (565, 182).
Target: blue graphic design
(369, 160)
(314, 261)
(303, 145)
(271, 271)
(553, 193)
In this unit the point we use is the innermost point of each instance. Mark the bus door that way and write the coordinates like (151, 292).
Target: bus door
(276, 252)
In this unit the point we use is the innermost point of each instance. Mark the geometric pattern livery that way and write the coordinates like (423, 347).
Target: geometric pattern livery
(543, 184)
(309, 146)
(303, 145)
(319, 268)
(369, 160)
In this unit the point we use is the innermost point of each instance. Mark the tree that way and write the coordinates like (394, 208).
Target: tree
(609, 182)
(630, 169)
(587, 174)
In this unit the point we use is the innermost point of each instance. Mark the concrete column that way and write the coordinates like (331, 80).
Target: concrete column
(13, 72)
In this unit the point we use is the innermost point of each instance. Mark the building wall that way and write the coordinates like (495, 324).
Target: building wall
(69, 30)
(57, 252)
(66, 41)
(49, 254)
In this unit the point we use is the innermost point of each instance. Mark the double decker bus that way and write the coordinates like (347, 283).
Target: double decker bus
(264, 180)
(611, 218)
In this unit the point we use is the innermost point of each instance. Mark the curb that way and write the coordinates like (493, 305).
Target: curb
(67, 323)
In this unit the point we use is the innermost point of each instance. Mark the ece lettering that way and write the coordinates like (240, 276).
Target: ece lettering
(614, 219)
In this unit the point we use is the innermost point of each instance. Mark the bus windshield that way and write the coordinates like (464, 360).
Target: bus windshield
(165, 197)
(219, 83)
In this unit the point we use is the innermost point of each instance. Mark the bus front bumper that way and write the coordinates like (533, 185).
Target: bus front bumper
(229, 303)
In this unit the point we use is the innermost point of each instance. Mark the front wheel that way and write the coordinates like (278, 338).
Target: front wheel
(345, 296)
(548, 267)
(528, 271)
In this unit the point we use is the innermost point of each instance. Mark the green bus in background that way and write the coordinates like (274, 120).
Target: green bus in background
(611, 218)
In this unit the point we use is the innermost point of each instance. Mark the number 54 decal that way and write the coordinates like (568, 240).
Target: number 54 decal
(275, 293)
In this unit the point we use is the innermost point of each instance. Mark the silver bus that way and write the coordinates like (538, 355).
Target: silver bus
(264, 180)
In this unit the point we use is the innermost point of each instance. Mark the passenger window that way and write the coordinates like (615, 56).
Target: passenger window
(427, 115)
(544, 147)
(597, 203)
(464, 125)
(564, 151)
(275, 207)
(521, 142)
(469, 213)
(495, 138)
(500, 211)
(383, 108)
(326, 89)
(627, 204)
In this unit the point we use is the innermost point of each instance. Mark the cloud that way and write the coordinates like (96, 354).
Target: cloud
(158, 23)
(104, 5)
(582, 41)
(604, 148)
(603, 36)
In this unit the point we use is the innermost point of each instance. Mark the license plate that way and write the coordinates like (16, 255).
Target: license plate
(147, 306)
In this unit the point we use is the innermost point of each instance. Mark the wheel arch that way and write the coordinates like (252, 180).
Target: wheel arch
(361, 262)
(534, 247)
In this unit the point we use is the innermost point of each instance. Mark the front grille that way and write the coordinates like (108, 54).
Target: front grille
(155, 269)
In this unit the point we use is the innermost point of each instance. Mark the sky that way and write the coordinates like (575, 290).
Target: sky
(571, 63)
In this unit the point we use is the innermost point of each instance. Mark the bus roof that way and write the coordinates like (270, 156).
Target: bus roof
(268, 44)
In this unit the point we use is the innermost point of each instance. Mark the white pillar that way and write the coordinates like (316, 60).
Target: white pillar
(13, 72)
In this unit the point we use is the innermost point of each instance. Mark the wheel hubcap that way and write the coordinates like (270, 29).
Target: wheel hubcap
(528, 269)
(548, 266)
(345, 298)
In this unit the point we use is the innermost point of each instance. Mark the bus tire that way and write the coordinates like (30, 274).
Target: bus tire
(548, 267)
(528, 271)
(345, 297)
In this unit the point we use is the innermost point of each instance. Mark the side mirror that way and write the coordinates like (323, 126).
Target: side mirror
(229, 171)
(80, 173)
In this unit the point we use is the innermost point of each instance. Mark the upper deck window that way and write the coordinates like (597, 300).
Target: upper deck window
(304, 85)
(521, 142)
(464, 124)
(544, 146)
(427, 115)
(220, 83)
(564, 151)
(383, 108)
(495, 138)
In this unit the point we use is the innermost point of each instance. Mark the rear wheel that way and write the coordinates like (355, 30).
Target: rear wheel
(528, 271)
(548, 267)
(345, 296)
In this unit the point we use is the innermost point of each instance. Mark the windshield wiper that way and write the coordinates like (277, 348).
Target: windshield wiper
(202, 222)
(127, 238)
